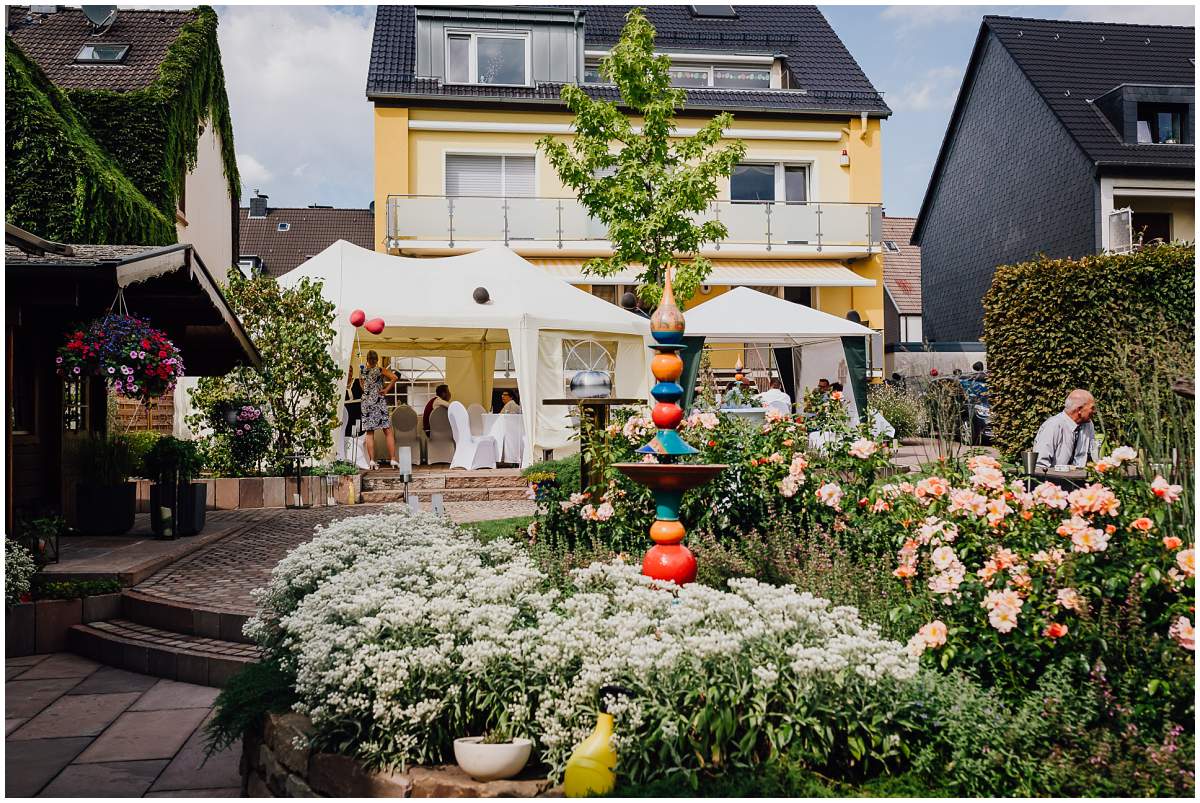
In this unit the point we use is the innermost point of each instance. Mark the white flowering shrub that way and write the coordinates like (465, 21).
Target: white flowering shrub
(404, 633)
(19, 569)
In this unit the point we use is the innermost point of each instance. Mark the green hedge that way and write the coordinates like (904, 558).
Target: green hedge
(1051, 325)
(97, 166)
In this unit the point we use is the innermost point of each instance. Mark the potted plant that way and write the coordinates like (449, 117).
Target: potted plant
(494, 756)
(177, 505)
(105, 499)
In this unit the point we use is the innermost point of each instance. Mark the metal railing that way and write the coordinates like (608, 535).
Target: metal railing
(450, 220)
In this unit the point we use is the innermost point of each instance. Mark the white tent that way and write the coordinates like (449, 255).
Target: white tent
(743, 315)
(428, 307)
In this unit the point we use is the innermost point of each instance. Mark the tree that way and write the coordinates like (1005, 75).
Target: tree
(299, 382)
(647, 186)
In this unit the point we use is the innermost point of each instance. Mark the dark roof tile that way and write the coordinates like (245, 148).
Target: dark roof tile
(310, 231)
(54, 40)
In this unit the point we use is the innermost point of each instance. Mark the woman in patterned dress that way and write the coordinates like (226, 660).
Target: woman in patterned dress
(375, 407)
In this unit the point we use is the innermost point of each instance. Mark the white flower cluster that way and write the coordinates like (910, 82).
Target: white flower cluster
(404, 633)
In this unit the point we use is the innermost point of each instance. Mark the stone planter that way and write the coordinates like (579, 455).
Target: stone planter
(52, 619)
(491, 762)
(240, 493)
(19, 638)
(348, 489)
(274, 766)
(42, 626)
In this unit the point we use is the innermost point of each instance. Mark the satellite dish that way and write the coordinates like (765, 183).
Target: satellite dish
(101, 17)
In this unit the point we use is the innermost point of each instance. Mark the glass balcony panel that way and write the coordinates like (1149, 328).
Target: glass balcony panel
(845, 224)
(478, 219)
(746, 223)
(532, 219)
(794, 224)
(419, 218)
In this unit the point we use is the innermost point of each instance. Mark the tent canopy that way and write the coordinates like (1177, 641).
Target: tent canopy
(428, 307)
(744, 315)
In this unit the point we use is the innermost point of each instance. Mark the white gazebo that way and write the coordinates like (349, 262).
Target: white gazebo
(744, 315)
(435, 307)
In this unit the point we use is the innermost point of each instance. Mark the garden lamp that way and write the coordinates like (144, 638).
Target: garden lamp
(404, 466)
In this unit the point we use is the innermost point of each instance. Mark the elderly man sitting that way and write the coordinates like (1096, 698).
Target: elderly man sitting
(1068, 439)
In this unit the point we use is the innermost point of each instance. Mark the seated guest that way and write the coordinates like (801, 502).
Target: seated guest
(441, 398)
(775, 397)
(1068, 438)
(823, 386)
(733, 398)
(510, 406)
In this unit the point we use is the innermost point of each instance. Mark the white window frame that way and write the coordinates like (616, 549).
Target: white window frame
(906, 321)
(473, 54)
(780, 180)
(537, 171)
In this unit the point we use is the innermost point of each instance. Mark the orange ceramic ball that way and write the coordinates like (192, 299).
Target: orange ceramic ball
(666, 531)
(675, 563)
(666, 367)
(666, 415)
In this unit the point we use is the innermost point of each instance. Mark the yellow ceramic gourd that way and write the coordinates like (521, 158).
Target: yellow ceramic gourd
(591, 768)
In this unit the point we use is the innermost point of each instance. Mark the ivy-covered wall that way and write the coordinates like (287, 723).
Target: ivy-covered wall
(148, 136)
(1052, 325)
(58, 182)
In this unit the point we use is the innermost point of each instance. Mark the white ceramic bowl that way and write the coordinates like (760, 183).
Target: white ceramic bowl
(491, 762)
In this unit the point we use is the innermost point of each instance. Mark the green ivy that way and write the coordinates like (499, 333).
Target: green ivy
(99, 166)
(58, 182)
(1051, 325)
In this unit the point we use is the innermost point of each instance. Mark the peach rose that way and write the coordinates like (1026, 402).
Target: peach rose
(1187, 562)
(1055, 630)
(1172, 542)
(1144, 524)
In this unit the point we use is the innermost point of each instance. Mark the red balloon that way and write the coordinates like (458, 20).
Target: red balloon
(673, 562)
(666, 415)
(375, 325)
(933, 372)
(357, 317)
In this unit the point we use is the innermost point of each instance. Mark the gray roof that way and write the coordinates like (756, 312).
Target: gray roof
(310, 231)
(84, 255)
(825, 78)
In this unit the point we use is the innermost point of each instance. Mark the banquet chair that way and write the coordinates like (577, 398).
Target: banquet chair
(406, 426)
(470, 451)
(440, 446)
(475, 413)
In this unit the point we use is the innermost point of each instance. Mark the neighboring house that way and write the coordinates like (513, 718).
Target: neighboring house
(462, 94)
(1067, 139)
(273, 241)
(153, 164)
(901, 293)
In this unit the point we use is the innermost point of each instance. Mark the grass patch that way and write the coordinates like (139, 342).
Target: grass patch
(513, 527)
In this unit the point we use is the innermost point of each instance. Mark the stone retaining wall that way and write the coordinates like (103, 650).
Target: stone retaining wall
(275, 765)
(238, 493)
(32, 628)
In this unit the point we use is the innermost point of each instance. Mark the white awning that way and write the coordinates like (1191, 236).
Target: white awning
(747, 316)
(749, 272)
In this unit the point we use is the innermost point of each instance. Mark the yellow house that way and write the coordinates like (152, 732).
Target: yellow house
(461, 95)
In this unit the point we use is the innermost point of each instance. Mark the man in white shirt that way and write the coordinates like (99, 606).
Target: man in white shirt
(1069, 438)
(775, 397)
(509, 404)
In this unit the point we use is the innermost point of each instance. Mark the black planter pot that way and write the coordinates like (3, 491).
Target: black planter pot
(105, 509)
(189, 513)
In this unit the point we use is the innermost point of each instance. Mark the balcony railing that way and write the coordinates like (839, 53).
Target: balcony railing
(450, 221)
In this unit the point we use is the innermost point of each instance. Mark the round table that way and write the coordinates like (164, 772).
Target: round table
(509, 432)
(755, 415)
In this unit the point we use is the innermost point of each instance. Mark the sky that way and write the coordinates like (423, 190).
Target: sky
(296, 78)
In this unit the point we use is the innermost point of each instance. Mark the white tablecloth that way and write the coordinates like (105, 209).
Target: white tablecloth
(509, 433)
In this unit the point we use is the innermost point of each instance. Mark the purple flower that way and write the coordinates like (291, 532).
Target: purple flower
(112, 370)
(76, 369)
(58, 360)
(133, 355)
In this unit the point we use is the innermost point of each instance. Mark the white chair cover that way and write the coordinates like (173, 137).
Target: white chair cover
(880, 428)
(470, 451)
(475, 413)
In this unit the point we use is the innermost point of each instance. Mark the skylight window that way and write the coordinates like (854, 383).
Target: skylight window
(891, 246)
(283, 226)
(101, 53)
(720, 12)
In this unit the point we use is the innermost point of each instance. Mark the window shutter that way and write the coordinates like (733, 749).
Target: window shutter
(518, 176)
(473, 175)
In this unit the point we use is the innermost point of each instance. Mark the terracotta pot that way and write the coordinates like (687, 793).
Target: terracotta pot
(491, 762)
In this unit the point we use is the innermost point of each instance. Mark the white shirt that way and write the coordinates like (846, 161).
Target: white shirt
(1055, 437)
(510, 408)
(777, 398)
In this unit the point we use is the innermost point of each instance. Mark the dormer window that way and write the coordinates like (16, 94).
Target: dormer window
(692, 74)
(1160, 123)
(714, 12)
(487, 57)
(101, 53)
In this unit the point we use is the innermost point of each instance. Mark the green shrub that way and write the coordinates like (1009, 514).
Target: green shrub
(45, 587)
(105, 460)
(902, 409)
(565, 471)
(1055, 324)
(140, 443)
(173, 460)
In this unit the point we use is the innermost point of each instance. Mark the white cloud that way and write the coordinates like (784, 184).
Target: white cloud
(296, 77)
(1142, 15)
(934, 88)
(905, 20)
(251, 170)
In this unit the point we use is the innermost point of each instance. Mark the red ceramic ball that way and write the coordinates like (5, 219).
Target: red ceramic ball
(375, 325)
(357, 318)
(666, 415)
(673, 562)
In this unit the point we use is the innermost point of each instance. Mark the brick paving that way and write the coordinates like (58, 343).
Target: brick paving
(75, 728)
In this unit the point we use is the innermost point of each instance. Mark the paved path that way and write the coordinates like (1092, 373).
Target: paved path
(74, 728)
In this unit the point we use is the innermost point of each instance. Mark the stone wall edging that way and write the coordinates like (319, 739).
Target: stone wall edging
(275, 763)
(242, 493)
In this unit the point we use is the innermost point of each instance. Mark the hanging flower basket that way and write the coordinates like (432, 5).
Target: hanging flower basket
(138, 361)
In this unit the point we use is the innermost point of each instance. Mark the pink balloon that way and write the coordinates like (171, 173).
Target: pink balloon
(357, 317)
(375, 325)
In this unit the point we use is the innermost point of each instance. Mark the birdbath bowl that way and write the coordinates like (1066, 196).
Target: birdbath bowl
(677, 477)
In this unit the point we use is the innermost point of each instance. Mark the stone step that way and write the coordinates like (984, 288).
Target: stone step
(500, 478)
(182, 617)
(448, 495)
(161, 653)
